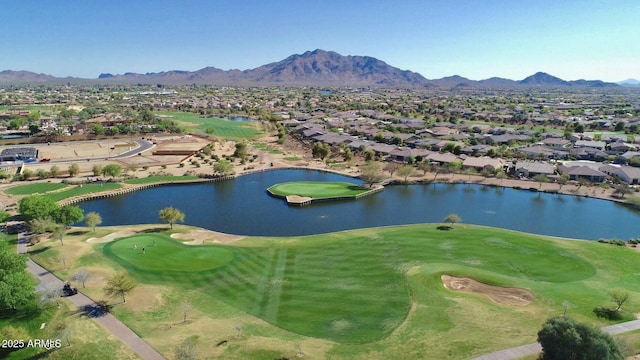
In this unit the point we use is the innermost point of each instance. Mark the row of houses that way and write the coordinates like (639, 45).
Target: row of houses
(472, 156)
(579, 170)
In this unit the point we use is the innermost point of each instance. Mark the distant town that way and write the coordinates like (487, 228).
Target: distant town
(550, 133)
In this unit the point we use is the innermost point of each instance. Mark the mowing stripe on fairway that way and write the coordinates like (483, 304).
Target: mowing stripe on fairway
(275, 288)
(262, 286)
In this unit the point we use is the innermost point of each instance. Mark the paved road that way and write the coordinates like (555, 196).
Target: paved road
(92, 309)
(529, 349)
(143, 145)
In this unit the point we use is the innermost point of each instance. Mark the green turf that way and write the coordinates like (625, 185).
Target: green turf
(317, 189)
(37, 188)
(214, 126)
(266, 148)
(158, 179)
(84, 190)
(162, 253)
(356, 287)
(41, 108)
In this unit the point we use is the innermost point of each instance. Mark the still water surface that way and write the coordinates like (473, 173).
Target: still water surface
(242, 206)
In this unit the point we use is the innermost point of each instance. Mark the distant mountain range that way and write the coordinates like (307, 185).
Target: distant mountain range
(313, 68)
(630, 83)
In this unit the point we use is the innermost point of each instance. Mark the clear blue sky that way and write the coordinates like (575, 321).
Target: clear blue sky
(588, 39)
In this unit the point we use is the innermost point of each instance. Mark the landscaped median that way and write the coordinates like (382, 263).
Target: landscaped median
(305, 192)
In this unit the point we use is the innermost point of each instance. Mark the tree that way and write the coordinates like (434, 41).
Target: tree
(186, 307)
(541, 178)
(27, 174)
(97, 129)
(112, 170)
(562, 181)
(63, 331)
(15, 284)
(347, 154)
(48, 293)
(562, 338)
(37, 207)
(622, 190)
(371, 173)
(369, 155)
(97, 170)
(92, 220)
(391, 167)
(321, 150)
(119, 284)
(223, 167)
(454, 166)
(171, 215)
(187, 349)
(425, 167)
(452, 219)
(81, 275)
(74, 170)
(69, 214)
(41, 225)
(58, 233)
(4, 216)
(42, 174)
(619, 297)
(54, 171)
(241, 150)
(406, 171)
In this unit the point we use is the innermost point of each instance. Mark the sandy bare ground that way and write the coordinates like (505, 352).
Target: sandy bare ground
(112, 236)
(497, 294)
(199, 237)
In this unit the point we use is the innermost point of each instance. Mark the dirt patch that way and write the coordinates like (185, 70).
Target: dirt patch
(499, 295)
(199, 237)
(144, 298)
(111, 237)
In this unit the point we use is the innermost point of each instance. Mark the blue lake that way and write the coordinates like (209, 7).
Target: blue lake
(242, 206)
(237, 118)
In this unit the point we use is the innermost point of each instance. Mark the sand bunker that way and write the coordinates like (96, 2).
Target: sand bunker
(499, 295)
(199, 237)
(111, 237)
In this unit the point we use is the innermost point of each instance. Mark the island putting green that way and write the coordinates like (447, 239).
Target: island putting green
(318, 189)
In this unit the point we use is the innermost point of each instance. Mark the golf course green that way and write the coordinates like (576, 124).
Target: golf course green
(317, 189)
(380, 289)
(158, 252)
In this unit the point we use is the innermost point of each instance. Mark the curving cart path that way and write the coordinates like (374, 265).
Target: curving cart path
(529, 349)
(93, 310)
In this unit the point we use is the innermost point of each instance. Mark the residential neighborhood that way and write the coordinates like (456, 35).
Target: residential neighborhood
(577, 134)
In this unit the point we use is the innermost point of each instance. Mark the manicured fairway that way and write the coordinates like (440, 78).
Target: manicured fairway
(37, 188)
(357, 287)
(156, 179)
(317, 189)
(165, 255)
(215, 126)
(84, 190)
